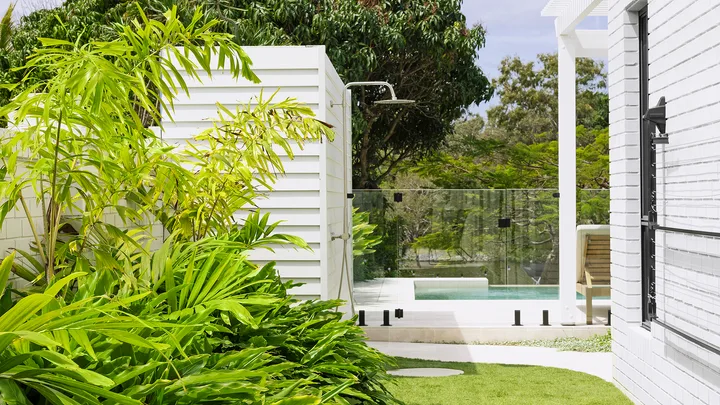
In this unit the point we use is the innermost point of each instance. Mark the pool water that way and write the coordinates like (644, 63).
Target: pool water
(493, 293)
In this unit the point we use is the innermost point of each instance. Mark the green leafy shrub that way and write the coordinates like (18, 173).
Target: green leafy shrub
(364, 237)
(383, 260)
(200, 324)
(108, 320)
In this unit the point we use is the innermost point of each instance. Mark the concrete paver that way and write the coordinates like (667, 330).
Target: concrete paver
(425, 372)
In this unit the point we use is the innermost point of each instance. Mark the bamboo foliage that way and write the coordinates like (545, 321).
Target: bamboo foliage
(80, 132)
(232, 163)
(7, 27)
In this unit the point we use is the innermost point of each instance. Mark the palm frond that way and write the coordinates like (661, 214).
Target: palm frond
(6, 27)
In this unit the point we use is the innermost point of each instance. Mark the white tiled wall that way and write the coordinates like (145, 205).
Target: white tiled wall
(660, 367)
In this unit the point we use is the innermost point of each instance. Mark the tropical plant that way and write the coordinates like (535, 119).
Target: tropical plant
(107, 318)
(6, 28)
(198, 323)
(364, 237)
(76, 139)
(89, 152)
(41, 339)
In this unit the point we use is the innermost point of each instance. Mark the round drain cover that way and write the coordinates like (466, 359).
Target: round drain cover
(425, 372)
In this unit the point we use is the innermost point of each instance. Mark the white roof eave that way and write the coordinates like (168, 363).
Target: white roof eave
(555, 8)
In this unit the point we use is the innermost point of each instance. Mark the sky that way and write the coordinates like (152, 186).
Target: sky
(514, 27)
(26, 6)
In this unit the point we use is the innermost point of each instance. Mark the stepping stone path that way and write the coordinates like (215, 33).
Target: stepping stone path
(425, 372)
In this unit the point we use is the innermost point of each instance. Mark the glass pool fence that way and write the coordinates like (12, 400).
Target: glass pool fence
(507, 237)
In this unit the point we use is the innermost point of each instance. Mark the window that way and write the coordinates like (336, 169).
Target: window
(648, 186)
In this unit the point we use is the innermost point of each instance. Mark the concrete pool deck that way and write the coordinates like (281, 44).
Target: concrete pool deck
(467, 321)
(597, 364)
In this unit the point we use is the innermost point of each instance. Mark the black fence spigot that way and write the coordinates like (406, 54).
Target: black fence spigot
(386, 318)
(517, 318)
(361, 318)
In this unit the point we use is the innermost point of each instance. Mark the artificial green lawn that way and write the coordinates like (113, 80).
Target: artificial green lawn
(498, 384)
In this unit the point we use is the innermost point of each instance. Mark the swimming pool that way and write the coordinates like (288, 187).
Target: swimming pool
(492, 293)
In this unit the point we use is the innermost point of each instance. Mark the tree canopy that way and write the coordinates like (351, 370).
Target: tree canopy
(516, 147)
(528, 93)
(423, 47)
(482, 162)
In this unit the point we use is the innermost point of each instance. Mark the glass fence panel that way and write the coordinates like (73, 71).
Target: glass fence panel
(448, 257)
(381, 257)
(451, 233)
(533, 237)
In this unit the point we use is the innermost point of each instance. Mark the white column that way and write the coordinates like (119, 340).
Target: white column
(567, 178)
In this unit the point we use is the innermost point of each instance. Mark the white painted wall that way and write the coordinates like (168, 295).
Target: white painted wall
(309, 197)
(657, 366)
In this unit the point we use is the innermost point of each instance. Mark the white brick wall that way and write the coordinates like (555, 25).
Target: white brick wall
(660, 367)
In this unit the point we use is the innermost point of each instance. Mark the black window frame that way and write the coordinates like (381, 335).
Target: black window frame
(648, 183)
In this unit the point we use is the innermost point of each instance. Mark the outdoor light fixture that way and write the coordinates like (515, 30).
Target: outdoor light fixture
(344, 271)
(656, 116)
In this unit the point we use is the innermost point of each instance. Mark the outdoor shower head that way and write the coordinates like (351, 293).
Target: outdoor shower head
(347, 226)
(395, 101)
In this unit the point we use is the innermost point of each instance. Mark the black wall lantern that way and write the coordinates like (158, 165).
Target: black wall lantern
(656, 116)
